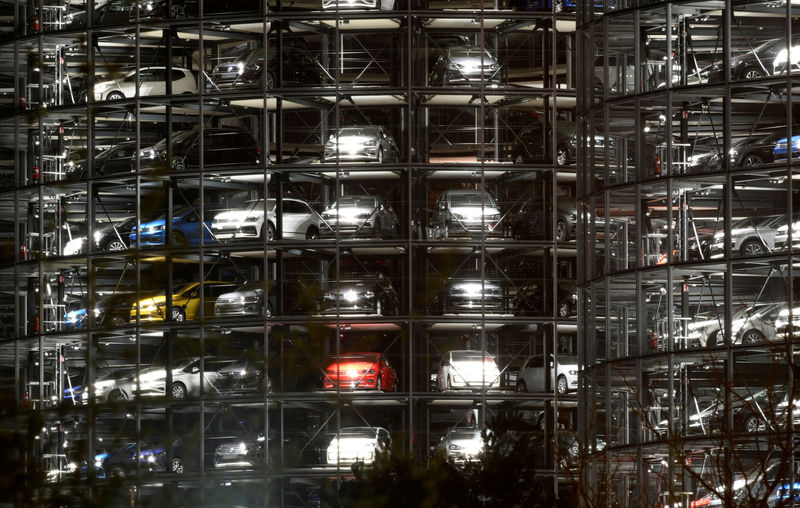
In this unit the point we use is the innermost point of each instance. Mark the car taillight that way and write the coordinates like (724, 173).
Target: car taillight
(700, 502)
(657, 165)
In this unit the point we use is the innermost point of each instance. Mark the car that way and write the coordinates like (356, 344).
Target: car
(187, 229)
(560, 5)
(467, 369)
(185, 302)
(359, 215)
(221, 147)
(466, 65)
(248, 375)
(384, 5)
(113, 160)
(531, 299)
(110, 311)
(770, 483)
(358, 444)
(751, 324)
(369, 143)
(755, 150)
(764, 59)
(152, 81)
(533, 220)
(534, 144)
(146, 456)
(360, 371)
(246, 452)
(471, 292)
(782, 235)
(247, 300)
(462, 445)
(753, 409)
(465, 213)
(114, 236)
(533, 374)
(365, 295)
(751, 236)
(299, 221)
(248, 70)
(159, 9)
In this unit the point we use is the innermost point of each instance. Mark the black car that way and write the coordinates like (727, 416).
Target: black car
(244, 452)
(114, 236)
(248, 375)
(113, 160)
(533, 220)
(757, 62)
(248, 69)
(533, 299)
(756, 150)
(109, 312)
(362, 294)
(220, 147)
(753, 410)
(471, 292)
(534, 144)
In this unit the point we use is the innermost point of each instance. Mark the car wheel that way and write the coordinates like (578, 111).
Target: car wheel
(178, 390)
(561, 230)
(752, 247)
(561, 156)
(447, 384)
(561, 385)
(177, 11)
(540, 422)
(178, 238)
(115, 245)
(751, 424)
(378, 307)
(312, 233)
(522, 387)
(380, 155)
(178, 164)
(116, 471)
(270, 232)
(559, 6)
(751, 161)
(563, 310)
(753, 72)
(114, 96)
(752, 336)
(116, 396)
(177, 465)
(178, 315)
(379, 384)
(270, 81)
(116, 321)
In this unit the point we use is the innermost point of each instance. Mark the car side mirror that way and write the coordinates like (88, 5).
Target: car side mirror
(195, 369)
(551, 365)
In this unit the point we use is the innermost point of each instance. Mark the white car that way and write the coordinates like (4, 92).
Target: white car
(750, 325)
(152, 81)
(299, 221)
(462, 445)
(467, 369)
(534, 372)
(152, 381)
(358, 444)
(751, 237)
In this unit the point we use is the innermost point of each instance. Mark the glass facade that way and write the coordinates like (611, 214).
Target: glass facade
(687, 217)
(246, 245)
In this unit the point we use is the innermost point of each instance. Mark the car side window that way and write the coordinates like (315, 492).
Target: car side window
(122, 153)
(293, 207)
(176, 75)
(132, 77)
(156, 75)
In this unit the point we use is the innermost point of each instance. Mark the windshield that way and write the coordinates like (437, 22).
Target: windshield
(356, 202)
(472, 199)
(363, 358)
(358, 432)
(474, 52)
(470, 357)
(356, 131)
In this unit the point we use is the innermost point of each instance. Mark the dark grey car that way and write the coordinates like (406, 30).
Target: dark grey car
(359, 215)
(368, 143)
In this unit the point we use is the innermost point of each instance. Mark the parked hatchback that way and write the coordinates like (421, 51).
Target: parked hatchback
(359, 215)
(186, 302)
(248, 69)
(466, 65)
(467, 369)
(360, 371)
(152, 81)
(299, 221)
(220, 147)
(561, 369)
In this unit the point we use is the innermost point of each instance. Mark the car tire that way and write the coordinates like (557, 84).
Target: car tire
(752, 247)
(751, 424)
(270, 232)
(377, 229)
(115, 96)
(561, 230)
(522, 387)
(541, 424)
(395, 386)
(447, 384)
(113, 245)
(270, 81)
(178, 239)
(379, 383)
(563, 309)
(178, 390)
(116, 471)
(178, 315)
(116, 396)
(562, 385)
(312, 233)
(380, 155)
(751, 161)
(178, 165)
(753, 72)
(177, 466)
(752, 336)
(116, 321)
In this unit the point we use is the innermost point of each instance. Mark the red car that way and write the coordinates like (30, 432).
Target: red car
(360, 371)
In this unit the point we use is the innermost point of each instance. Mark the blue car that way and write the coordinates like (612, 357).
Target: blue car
(781, 149)
(546, 5)
(186, 230)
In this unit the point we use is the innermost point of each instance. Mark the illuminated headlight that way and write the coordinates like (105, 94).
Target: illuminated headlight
(150, 307)
(719, 236)
(240, 67)
(454, 446)
(796, 143)
(733, 153)
(156, 228)
(350, 295)
(147, 154)
(72, 317)
(151, 376)
(73, 246)
(97, 237)
(242, 449)
(494, 216)
(97, 312)
(250, 299)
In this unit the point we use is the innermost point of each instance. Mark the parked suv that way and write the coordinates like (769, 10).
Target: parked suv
(152, 81)
(465, 212)
(368, 143)
(220, 147)
(360, 215)
(299, 220)
(466, 65)
(248, 70)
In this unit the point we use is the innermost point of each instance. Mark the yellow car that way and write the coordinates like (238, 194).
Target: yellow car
(185, 302)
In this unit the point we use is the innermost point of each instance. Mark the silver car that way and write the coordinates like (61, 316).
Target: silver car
(358, 444)
(462, 445)
(247, 300)
(466, 65)
(750, 325)
(465, 212)
(467, 369)
(562, 369)
(750, 236)
(299, 221)
(367, 143)
(359, 216)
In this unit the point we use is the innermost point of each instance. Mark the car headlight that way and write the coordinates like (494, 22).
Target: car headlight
(494, 216)
(371, 142)
(328, 296)
(454, 447)
(242, 449)
(156, 228)
(147, 154)
(240, 67)
(456, 66)
(97, 237)
(573, 372)
(796, 143)
(250, 299)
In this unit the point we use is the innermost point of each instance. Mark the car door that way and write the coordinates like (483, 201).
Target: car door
(189, 225)
(118, 161)
(536, 373)
(442, 373)
(388, 374)
(191, 299)
(296, 218)
(153, 82)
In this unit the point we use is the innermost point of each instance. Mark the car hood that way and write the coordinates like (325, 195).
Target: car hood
(347, 211)
(236, 295)
(472, 61)
(240, 214)
(474, 212)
